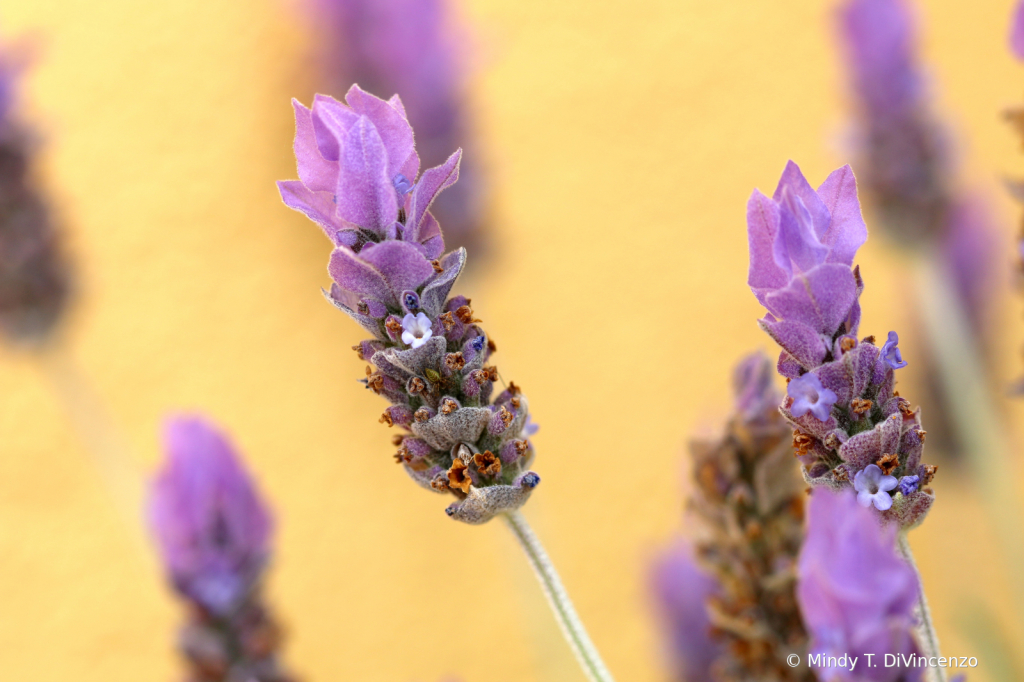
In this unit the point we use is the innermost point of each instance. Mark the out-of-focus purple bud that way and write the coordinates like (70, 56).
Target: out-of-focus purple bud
(212, 528)
(1017, 31)
(856, 594)
(35, 278)
(680, 590)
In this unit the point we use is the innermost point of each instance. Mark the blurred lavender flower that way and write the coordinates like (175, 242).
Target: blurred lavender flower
(412, 47)
(856, 594)
(681, 591)
(1017, 31)
(905, 165)
(360, 181)
(802, 245)
(213, 531)
(747, 506)
(34, 275)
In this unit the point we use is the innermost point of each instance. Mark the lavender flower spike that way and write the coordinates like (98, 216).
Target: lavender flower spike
(389, 276)
(213, 531)
(747, 511)
(417, 48)
(856, 594)
(34, 274)
(840, 399)
(428, 355)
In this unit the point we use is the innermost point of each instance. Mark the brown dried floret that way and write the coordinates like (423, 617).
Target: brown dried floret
(362, 308)
(465, 314)
(802, 443)
(491, 346)
(505, 415)
(439, 482)
(487, 463)
(847, 344)
(358, 348)
(869, 339)
(860, 405)
(386, 419)
(454, 361)
(421, 415)
(888, 463)
(929, 474)
(458, 476)
(397, 439)
(905, 409)
(436, 264)
(448, 405)
(393, 325)
(416, 386)
(514, 402)
(374, 381)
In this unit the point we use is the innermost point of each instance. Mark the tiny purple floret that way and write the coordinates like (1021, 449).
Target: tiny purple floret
(873, 487)
(417, 329)
(909, 484)
(810, 396)
(891, 352)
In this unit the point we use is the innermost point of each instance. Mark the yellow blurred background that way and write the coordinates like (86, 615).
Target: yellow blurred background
(623, 139)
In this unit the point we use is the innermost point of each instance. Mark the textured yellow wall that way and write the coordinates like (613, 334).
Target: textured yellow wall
(624, 139)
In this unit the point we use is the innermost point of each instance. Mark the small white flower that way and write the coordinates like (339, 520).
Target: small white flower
(417, 329)
(873, 487)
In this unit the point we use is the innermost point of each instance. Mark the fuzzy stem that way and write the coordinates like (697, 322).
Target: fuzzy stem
(561, 605)
(926, 636)
(972, 408)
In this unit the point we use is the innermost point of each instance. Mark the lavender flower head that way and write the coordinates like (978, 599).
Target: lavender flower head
(34, 278)
(360, 181)
(681, 590)
(855, 592)
(211, 525)
(840, 399)
(412, 47)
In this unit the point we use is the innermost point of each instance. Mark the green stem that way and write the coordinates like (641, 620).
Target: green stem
(561, 605)
(926, 636)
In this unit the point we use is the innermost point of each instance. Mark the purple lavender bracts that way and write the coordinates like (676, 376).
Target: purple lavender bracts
(855, 593)
(360, 181)
(840, 399)
(419, 49)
